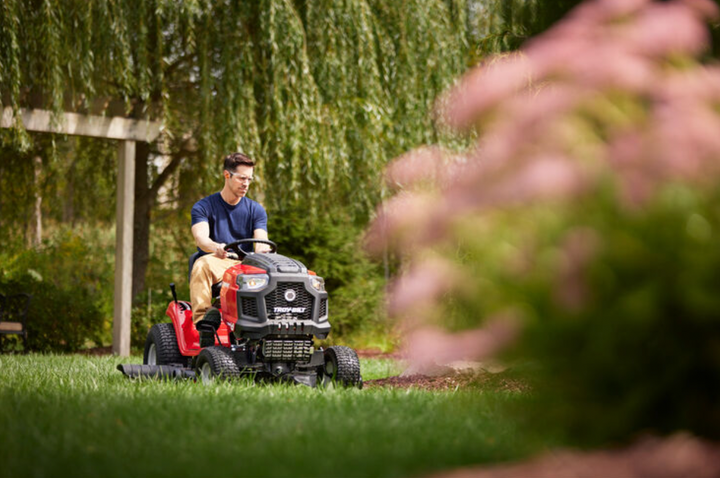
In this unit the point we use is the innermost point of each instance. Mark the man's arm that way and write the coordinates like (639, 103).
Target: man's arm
(261, 234)
(201, 233)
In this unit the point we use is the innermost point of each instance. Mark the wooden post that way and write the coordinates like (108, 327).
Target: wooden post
(124, 248)
(35, 238)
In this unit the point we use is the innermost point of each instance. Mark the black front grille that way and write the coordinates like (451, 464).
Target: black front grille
(288, 350)
(249, 306)
(323, 308)
(276, 300)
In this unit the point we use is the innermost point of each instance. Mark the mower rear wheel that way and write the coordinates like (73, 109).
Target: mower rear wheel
(161, 347)
(342, 367)
(216, 363)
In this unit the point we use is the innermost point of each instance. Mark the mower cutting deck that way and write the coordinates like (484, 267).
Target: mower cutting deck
(271, 310)
(166, 372)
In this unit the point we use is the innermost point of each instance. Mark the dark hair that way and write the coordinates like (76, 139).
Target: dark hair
(234, 160)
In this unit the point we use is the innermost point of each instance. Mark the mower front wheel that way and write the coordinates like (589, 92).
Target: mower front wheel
(216, 363)
(161, 347)
(342, 367)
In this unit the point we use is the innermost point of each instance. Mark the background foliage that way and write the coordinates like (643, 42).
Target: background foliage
(66, 278)
(321, 93)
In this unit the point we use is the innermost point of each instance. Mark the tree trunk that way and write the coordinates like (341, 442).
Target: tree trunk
(144, 201)
(69, 196)
(145, 197)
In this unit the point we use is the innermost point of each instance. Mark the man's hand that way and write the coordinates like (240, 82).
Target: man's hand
(220, 251)
(262, 235)
(259, 247)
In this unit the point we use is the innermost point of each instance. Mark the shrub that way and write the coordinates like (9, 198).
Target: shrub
(68, 285)
(588, 213)
(59, 319)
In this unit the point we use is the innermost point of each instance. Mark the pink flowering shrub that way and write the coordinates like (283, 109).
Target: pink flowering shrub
(585, 222)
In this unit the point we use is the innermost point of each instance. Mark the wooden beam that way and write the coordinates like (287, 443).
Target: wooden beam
(124, 248)
(112, 127)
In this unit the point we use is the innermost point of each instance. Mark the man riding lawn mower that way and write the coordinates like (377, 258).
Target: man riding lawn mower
(252, 312)
(271, 308)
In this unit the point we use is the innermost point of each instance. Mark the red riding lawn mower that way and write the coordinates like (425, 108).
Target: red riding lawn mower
(269, 310)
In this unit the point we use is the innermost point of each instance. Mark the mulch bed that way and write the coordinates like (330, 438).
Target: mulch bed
(421, 381)
(456, 381)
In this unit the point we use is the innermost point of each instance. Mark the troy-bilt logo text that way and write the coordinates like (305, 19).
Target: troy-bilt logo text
(292, 310)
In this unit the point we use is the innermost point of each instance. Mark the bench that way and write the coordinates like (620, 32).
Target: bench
(13, 316)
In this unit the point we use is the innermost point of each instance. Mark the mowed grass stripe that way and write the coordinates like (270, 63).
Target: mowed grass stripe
(75, 415)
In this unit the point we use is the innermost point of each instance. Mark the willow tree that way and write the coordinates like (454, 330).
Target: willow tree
(322, 93)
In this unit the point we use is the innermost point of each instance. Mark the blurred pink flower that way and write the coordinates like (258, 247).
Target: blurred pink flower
(648, 33)
(595, 45)
(706, 9)
(603, 11)
(426, 163)
(423, 285)
(690, 141)
(597, 86)
(590, 62)
(398, 221)
(627, 149)
(678, 456)
(527, 121)
(483, 88)
(427, 347)
(627, 155)
(701, 84)
(416, 220)
(545, 177)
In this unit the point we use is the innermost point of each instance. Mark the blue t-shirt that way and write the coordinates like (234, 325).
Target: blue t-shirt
(229, 223)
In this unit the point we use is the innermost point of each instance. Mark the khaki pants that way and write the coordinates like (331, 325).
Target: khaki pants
(206, 271)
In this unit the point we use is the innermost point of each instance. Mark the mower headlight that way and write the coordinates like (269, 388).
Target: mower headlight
(318, 283)
(253, 282)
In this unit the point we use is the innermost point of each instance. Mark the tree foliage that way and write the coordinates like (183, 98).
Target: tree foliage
(322, 92)
(504, 25)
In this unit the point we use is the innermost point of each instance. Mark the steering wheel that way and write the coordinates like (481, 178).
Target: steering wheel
(235, 246)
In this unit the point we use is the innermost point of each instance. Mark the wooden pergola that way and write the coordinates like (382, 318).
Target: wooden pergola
(127, 131)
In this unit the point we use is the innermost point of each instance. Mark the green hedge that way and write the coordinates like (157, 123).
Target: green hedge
(59, 319)
(642, 350)
(622, 341)
(68, 281)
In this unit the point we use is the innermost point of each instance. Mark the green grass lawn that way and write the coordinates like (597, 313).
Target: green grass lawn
(79, 416)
